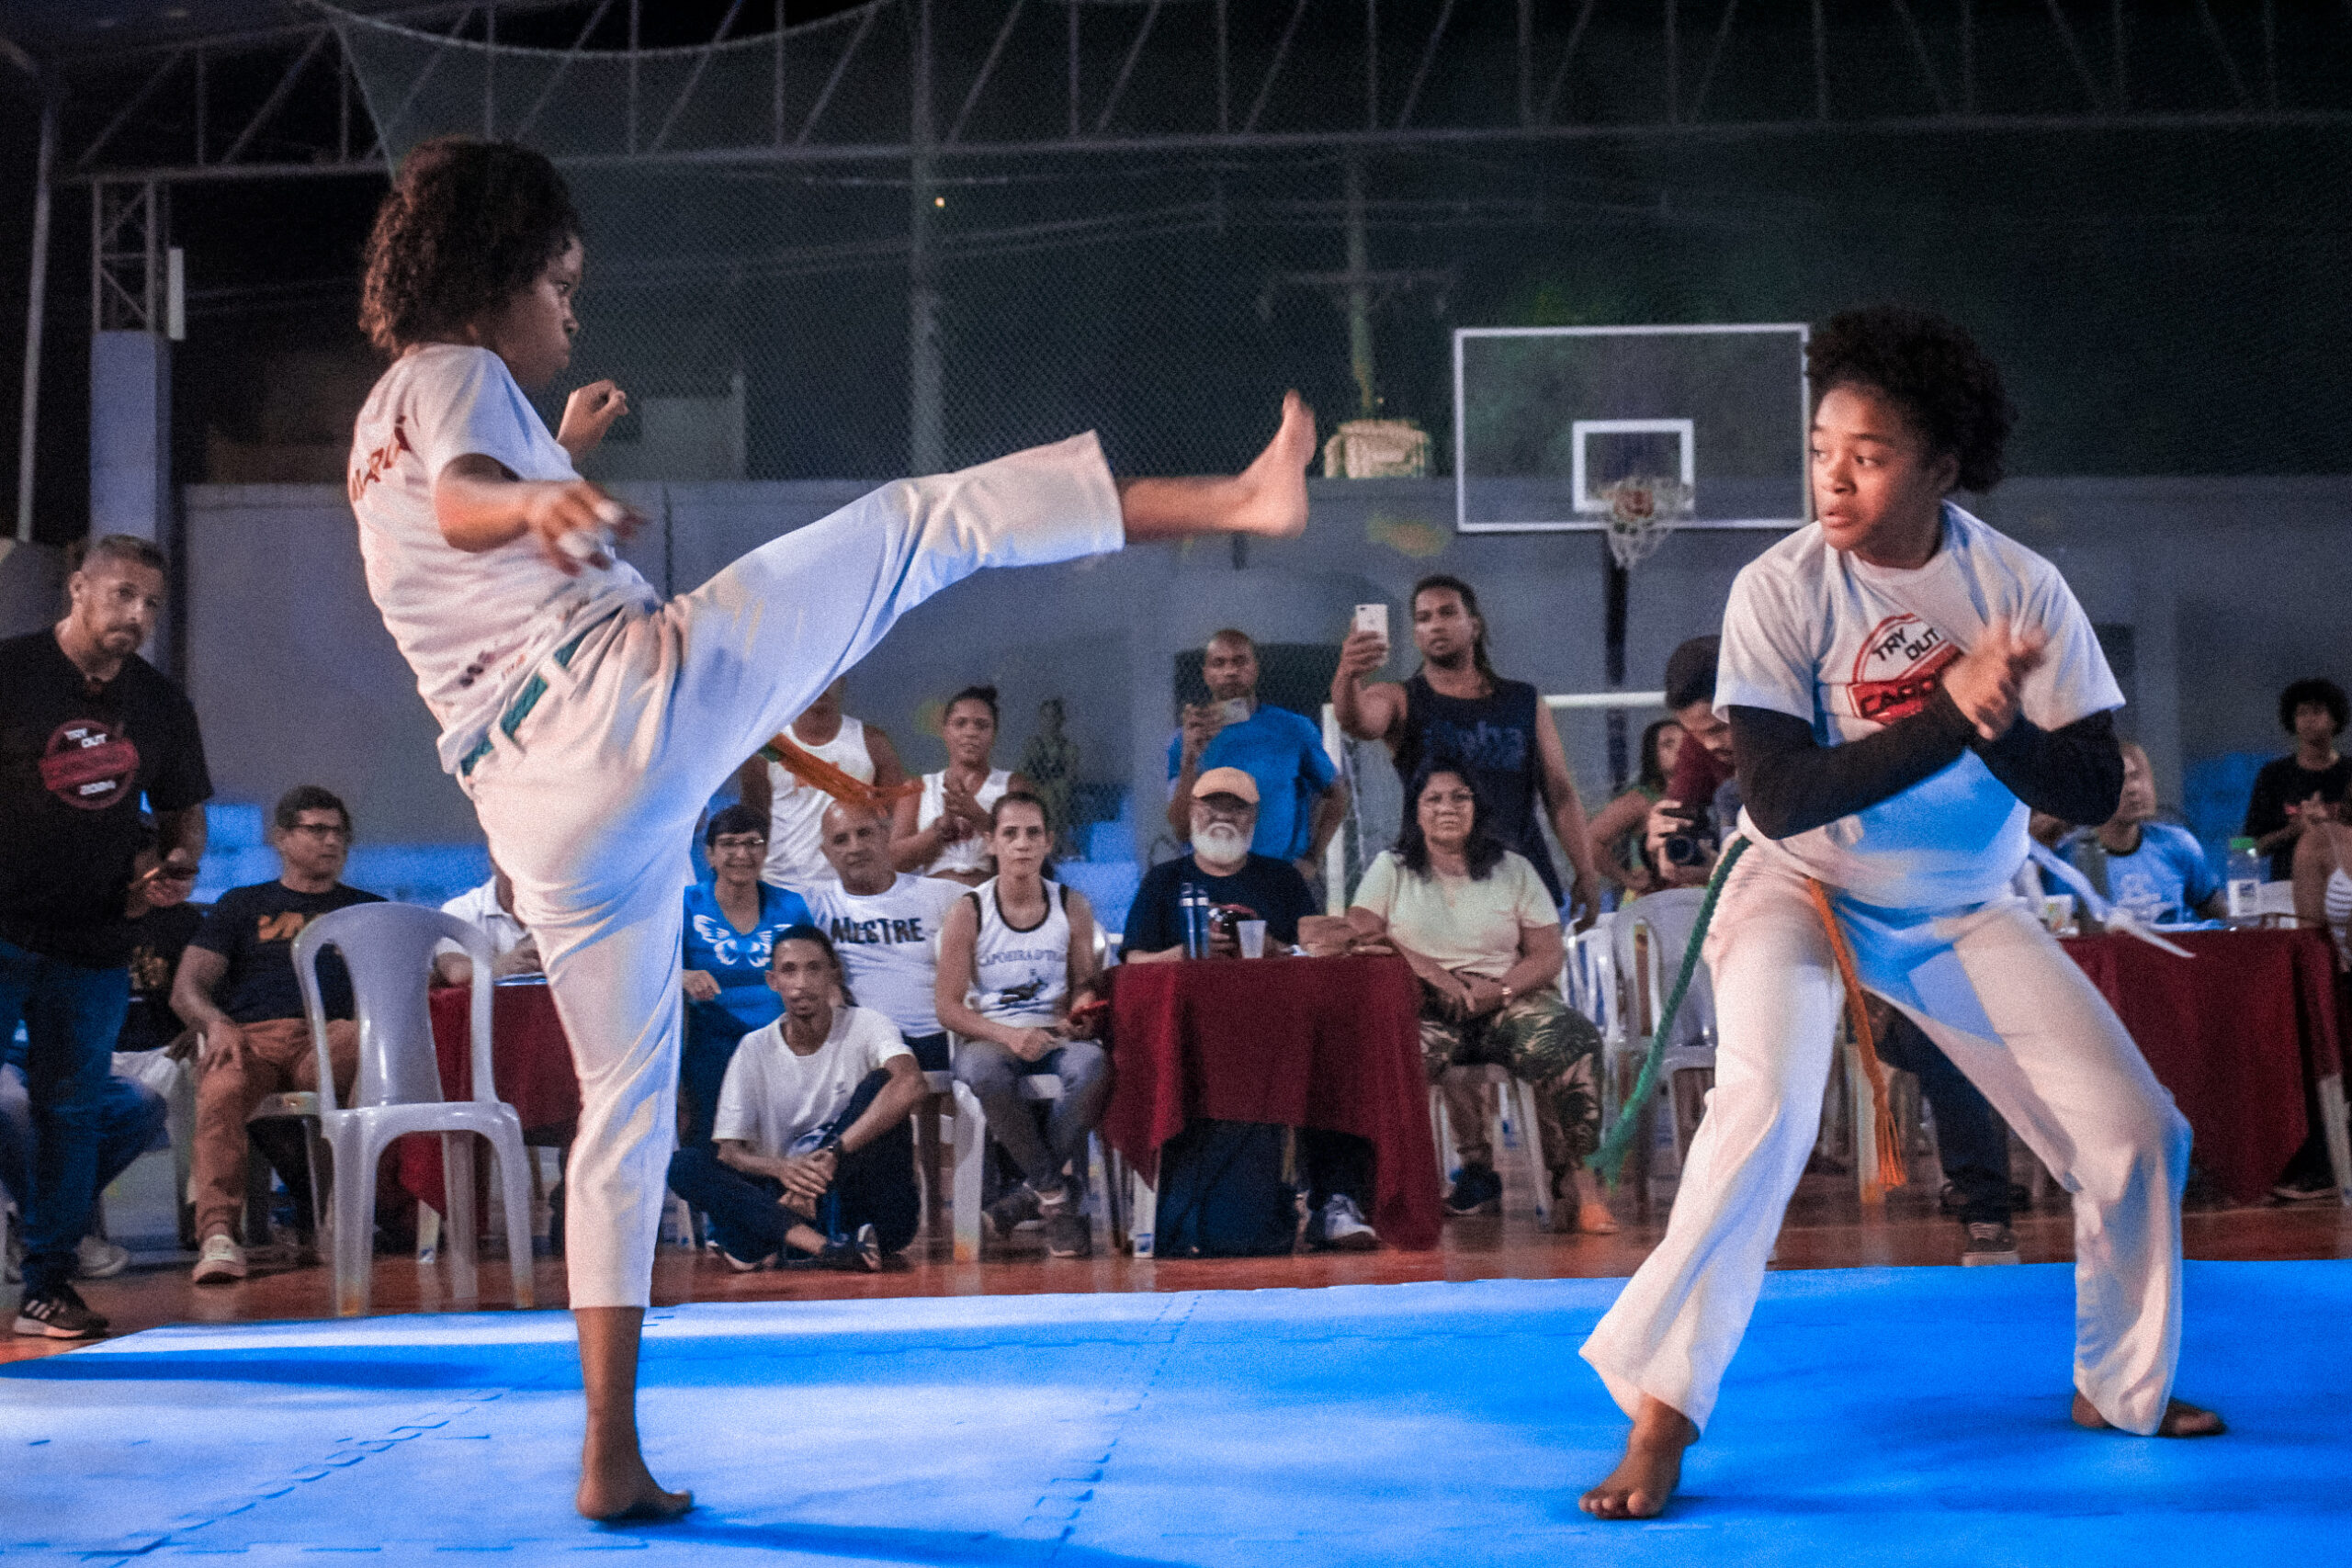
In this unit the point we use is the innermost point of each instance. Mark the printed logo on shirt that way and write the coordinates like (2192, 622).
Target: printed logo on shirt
(381, 460)
(1028, 990)
(1491, 748)
(89, 765)
(875, 932)
(280, 928)
(731, 947)
(1898, 667)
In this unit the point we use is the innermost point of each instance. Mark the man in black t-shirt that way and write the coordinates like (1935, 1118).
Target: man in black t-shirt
(236, 987)
(87, 728)
(1336, 1166)
(2314, 778)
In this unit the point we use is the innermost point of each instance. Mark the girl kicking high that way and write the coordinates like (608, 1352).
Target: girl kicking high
(587, 719)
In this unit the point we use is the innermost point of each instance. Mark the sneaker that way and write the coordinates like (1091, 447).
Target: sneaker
(1338, 1226)
(221, 1260)
(2303, 1189)
(60, 1312)
(861, 1254)
(1068, 1232)
(742, 1265)
(1019, 1205)
(97, 1258)
(1989, 1243)
(1476, 1190)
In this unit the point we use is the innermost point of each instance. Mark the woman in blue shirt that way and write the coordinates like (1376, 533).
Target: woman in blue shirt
(731, 922)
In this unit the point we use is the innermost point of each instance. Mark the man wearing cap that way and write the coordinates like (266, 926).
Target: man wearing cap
(1248, 886)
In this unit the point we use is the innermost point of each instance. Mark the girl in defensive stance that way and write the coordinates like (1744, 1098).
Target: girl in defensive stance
(587, 719)
(1902, 683)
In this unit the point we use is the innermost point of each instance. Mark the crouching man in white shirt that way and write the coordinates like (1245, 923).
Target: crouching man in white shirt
(813, 1161)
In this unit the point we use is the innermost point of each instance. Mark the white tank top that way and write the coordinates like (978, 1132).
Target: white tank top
(796, 811)
(2338, 908)
(1019, 976)
(964, 854)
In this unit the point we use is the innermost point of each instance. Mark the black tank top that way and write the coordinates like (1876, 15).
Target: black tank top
(1493, 738)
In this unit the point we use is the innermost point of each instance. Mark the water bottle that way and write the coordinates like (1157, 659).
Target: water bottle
(2245, 883)
(1194, 905)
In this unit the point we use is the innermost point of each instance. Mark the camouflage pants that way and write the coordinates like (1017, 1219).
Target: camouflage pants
(1544, 1043)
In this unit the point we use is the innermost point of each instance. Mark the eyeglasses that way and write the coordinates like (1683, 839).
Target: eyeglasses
(731, 846)
(321, 830)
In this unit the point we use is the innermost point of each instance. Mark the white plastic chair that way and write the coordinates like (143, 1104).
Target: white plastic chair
(970, 1142)
(1515, 1124)
(388, 950)
(1650, 936)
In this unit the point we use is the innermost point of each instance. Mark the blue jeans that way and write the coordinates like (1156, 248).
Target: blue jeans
(993, 1074)
(131, 1122)
(71, 1015)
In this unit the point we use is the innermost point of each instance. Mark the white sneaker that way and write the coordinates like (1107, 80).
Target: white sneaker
(1338, 1226)
(222, 1259)
(95, 1258)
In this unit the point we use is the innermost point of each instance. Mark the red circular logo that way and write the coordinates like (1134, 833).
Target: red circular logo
(89, 765)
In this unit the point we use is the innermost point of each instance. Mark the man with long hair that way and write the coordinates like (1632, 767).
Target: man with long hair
(1457, 705)
(587, 719)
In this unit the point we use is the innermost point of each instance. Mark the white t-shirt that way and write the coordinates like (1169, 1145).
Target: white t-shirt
(797, 810)
(1462, 922)
(889, 944)
(480, 907)
(1850, 648)
(471, 626)
(771, 1095)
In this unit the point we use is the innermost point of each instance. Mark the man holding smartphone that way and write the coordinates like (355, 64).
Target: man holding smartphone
(1301, 798)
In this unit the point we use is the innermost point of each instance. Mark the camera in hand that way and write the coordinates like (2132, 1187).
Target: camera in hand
(1695, 845)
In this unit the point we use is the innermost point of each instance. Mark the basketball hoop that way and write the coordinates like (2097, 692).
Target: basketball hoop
(1642, 512)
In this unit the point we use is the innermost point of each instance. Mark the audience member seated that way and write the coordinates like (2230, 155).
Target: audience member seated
(793, 809)
(1337, 1168)
(236, 990)
(2322, 901)
(2152, 869)
(1478, 928)
(1685, 832)
(1618, 851)
(1240, 883)
(1301, 800)
(885, 924)
(2292, 792)
(1971, 1141)
(732, 924)
(162, 923)
(812, 1160)
(1016, 981)
(489, 909)
(946, 833)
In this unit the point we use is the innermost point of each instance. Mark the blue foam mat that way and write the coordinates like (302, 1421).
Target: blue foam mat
(1893, 1417)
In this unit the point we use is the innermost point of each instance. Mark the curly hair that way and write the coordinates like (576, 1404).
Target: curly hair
(468, 225)
(2317, 689)
(1947, 386)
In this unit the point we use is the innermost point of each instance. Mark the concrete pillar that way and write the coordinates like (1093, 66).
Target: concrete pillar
(130, 443)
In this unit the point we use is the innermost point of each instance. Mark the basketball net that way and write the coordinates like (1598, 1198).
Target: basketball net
(1642, 512)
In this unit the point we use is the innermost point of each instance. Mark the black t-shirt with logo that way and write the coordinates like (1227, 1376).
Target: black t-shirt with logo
(157, 940)
(74, 761)
(254, 928)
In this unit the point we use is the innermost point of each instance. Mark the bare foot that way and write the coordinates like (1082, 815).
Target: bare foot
(1593, 1218)
(2182, 1419)
(1646, 1476)
(619, 1488)
(1272, 488)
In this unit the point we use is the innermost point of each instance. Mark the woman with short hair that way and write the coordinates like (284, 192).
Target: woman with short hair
(1480, 930)
(731, 921)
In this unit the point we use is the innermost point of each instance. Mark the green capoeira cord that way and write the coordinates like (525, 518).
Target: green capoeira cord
(1610, 1158)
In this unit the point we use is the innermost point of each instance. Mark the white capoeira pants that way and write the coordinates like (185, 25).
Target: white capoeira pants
(590, 805)
(1994, 991)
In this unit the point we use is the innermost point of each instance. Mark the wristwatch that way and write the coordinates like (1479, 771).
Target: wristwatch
(1507, 995)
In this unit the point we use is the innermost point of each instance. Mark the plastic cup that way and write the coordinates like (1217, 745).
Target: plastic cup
(2058, 912)
(1253, 938)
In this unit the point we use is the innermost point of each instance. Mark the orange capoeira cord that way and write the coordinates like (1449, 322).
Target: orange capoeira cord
(1890, 1164)
(818, 774)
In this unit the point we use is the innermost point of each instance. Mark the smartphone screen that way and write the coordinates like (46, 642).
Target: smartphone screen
(1234, 710)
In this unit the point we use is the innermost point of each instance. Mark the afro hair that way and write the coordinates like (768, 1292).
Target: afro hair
(468, 225)
(1945, 385)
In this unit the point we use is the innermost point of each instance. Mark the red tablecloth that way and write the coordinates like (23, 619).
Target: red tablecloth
(2233, 1032)
(1330, 1043)
(530, 1058)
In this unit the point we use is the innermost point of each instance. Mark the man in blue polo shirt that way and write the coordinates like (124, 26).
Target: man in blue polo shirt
(1301, 800)
(2153, 869)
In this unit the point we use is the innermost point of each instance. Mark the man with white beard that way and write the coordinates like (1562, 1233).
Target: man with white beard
(1337, 1168)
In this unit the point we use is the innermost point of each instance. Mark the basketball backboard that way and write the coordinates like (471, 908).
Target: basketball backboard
(1546, 418)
